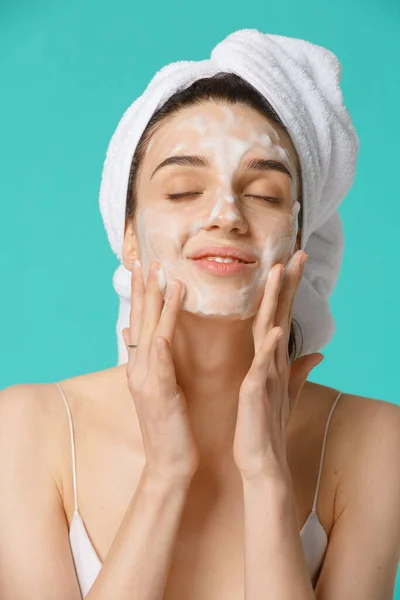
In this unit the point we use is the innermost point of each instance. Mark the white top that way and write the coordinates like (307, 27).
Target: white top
(88, 564)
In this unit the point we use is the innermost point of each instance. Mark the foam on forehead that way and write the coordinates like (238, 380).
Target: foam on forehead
(215, 133)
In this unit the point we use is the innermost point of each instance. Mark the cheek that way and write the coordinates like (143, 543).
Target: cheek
(277, 227)
(158, 238)
(276, 236)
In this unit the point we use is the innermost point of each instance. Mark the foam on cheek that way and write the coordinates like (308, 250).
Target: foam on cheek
(151, 229)
(142, 240)
(195, 228)
(278, 247)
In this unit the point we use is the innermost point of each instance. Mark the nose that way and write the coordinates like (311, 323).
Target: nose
(226, 215)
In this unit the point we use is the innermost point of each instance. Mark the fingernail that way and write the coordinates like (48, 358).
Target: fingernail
(304, 260)
(137, 264)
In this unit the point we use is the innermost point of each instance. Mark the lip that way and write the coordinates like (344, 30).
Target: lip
(224, 252)
(222, 269)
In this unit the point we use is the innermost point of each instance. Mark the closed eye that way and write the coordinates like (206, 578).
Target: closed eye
(266, 198)
(192, 194)
(183, 195)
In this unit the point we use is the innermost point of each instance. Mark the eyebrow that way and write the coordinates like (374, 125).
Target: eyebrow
(254, 164)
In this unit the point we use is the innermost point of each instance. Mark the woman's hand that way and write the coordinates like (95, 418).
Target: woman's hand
(168, 440)
(272, 386)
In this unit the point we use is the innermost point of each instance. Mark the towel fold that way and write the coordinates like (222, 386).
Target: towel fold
(301, 81)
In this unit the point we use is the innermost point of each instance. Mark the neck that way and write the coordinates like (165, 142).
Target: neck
(212, 355)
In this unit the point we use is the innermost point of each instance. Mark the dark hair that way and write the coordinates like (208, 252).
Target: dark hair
(231, 89)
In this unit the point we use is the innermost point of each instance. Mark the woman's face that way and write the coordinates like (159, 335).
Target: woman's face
(223, 205)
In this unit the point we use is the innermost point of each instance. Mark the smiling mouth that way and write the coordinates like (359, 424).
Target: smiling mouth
(221, 267)
(219, 259)
(219, 253)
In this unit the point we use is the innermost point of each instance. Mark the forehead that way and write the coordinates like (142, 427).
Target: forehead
(192, 127)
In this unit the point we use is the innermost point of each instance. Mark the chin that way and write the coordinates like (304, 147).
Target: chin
(227, 315)
(220, 317)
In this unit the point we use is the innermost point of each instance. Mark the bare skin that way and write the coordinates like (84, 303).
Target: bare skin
(110, 460)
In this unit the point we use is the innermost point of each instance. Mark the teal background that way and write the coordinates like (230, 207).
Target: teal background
(68, 72)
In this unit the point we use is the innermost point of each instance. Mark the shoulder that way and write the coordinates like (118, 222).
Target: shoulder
(23, 408)
(29, 421)
(34, 423)
(363, 438)
(368, 441)
(366, 426)
(364, 451)
(354, 416)
(361, 427)
(31, 440)
(34, 426)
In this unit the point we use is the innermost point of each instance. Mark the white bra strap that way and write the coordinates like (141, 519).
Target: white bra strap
(314, 508)
(71, 429)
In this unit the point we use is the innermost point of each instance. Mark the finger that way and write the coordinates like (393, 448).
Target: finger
(131, 333)
(165, 368)
(172, 306)
(153, 302)
(265, 318)
(262, 360)
(285, 305)
(289, 286)
(302, 264)
(125, 335)
(137, 299)
(130, 351)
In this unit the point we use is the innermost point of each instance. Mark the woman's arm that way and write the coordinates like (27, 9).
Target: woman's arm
(35, 556)
(364, 545)
(275, 564)
(138, 563)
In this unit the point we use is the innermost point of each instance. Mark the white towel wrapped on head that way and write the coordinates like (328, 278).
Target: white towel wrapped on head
(301, 81)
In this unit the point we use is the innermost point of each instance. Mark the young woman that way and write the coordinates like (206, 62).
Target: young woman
(207, 466)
